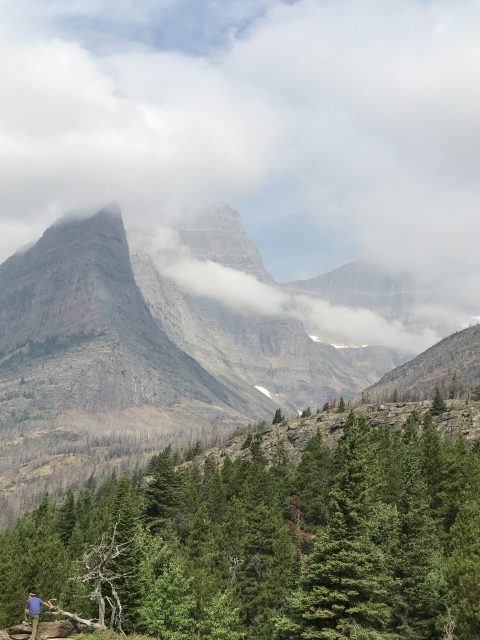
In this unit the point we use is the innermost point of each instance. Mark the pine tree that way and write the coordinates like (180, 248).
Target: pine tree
(346, 585)
(463, 571)
(418, 558)
(220, 619)
(129, 535)
(278, 417)
(48, 567)
(163, 494)
(67, 518)
(341, 406)
(438, 404)
(312, 480)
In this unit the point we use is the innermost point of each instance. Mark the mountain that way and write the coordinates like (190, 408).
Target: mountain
(75, 327)
(89, 379)
(269, 352)
(453, 365)
(104, 360)
(366, 285)
(217, 234)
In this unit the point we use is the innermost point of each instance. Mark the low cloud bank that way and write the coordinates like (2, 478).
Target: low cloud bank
(243, 293)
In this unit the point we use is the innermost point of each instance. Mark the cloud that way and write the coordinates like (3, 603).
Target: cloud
(236, 290)
(361, 118)
(244, 294)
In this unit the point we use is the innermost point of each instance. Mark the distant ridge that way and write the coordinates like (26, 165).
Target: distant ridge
(453, 365)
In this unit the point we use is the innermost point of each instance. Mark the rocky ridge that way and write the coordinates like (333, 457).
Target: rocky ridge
(452, 365)
(460, 419)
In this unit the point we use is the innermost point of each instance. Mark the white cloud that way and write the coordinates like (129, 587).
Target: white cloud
(243, 293)
(362, 115)
(238, 291)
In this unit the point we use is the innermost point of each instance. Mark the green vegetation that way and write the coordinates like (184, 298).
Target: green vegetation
(32, 349)
(278, 417)
(378, 540)
(438, 404)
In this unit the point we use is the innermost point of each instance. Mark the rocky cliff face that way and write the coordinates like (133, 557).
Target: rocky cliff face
(75, 330)
(453, 365)
(217, 234)
(271, 352)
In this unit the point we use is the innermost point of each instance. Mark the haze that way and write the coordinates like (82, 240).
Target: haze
(356, 120)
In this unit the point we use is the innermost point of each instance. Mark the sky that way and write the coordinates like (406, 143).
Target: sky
(338, 129)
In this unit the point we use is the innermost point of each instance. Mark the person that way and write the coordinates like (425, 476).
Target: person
(34, 609)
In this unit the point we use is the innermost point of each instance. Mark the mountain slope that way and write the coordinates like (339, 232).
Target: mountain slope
(273, 352)
(453, 364)
(361, 284)
(74, 327)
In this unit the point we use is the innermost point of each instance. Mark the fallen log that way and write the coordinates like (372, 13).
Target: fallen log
(90, 624)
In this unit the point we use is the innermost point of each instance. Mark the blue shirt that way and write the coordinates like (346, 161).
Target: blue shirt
(34, 606)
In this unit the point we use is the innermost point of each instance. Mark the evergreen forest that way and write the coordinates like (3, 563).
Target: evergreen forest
(376, 540)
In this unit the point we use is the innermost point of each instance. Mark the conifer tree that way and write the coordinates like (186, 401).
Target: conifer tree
(438, 403)
(67, 518)
(312, 480)
(163, 494)
(278, 417)
(463, 571)
(341, 406)
(220, 619)
(128, 534)
(418, 559)
(346, 585)
(47, 568)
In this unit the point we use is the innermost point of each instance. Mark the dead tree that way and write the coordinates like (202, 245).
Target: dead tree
(449, 627)
(98, 561)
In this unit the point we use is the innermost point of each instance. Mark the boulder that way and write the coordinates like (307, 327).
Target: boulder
(18, 629)
(56, 629)
(46, 630)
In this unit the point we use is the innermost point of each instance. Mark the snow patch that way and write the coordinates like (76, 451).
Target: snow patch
(349, 346)
(340, 346)
(265, 392)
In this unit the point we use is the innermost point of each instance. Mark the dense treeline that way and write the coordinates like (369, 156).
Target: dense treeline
(377, 540)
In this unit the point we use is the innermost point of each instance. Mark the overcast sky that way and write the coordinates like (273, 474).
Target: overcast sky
(338, 129)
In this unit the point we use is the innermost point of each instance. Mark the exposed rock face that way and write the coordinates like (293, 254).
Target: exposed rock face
(452, 365)
(461, 419)
(271, 352)
(218, 235)
(75, 329)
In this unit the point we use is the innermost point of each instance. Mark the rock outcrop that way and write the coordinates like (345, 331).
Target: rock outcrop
(461, 419)
(46, 630)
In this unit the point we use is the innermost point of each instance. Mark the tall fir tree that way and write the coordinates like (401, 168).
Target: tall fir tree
(163, 494)
(312, 481)
(418, 571)
(463, 571)
(345, 587)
